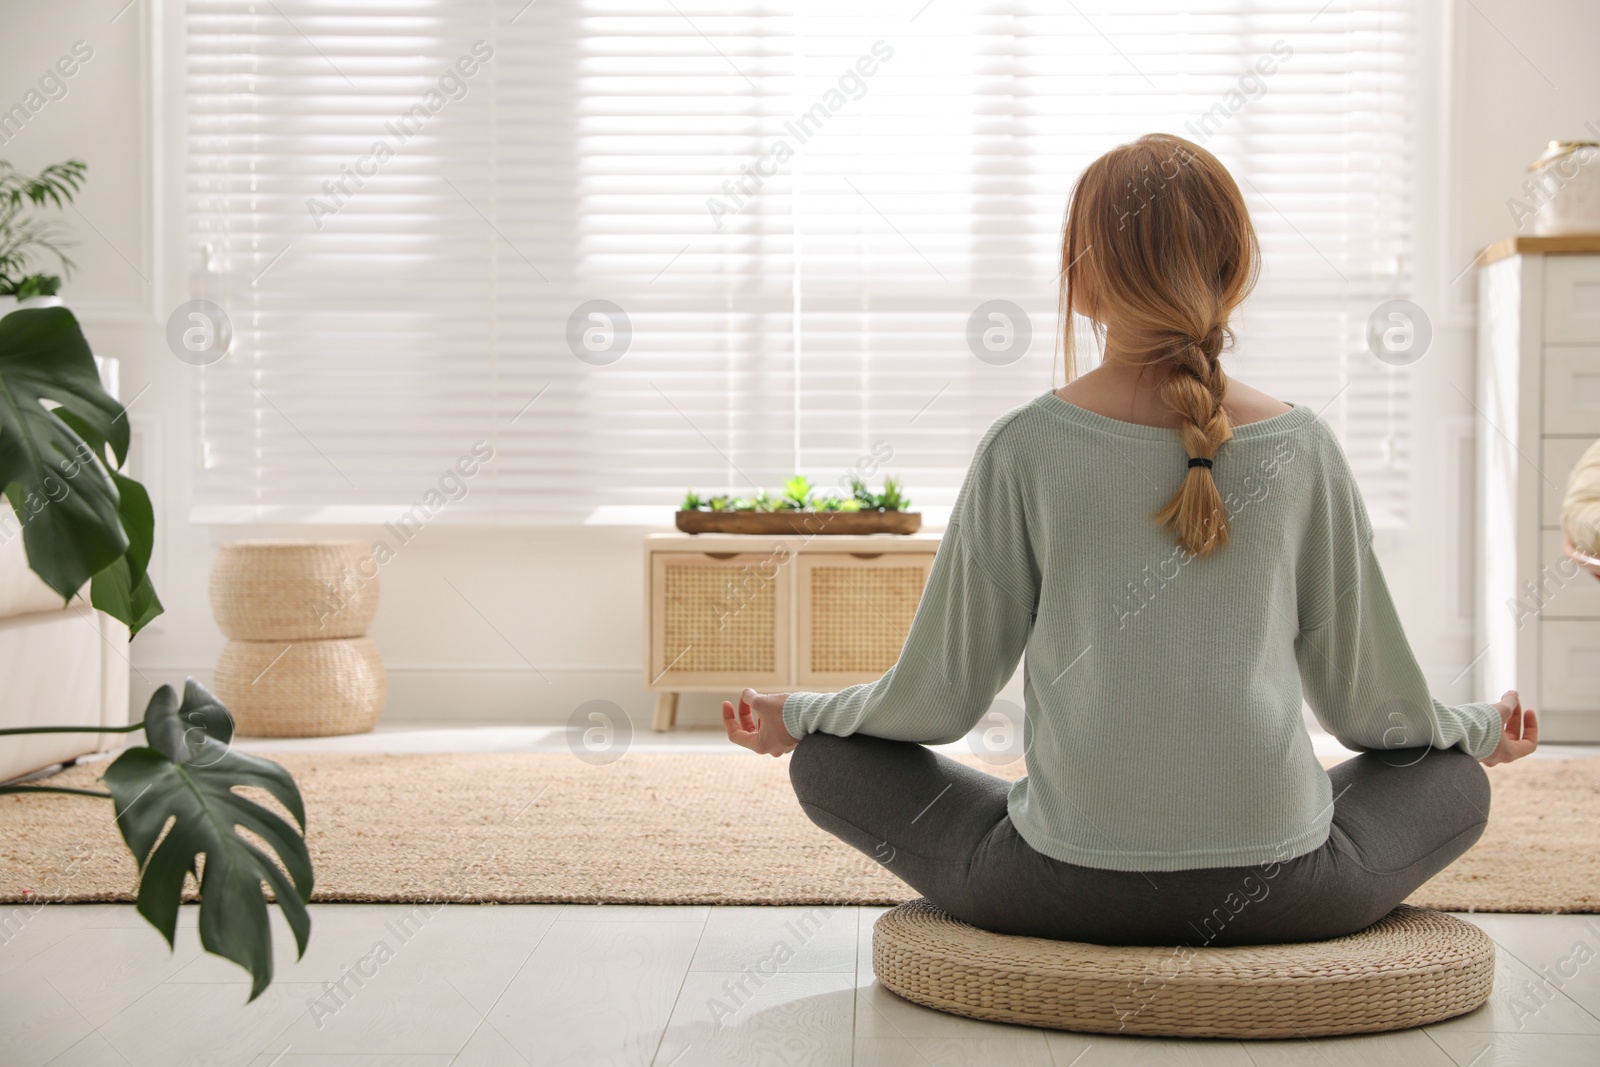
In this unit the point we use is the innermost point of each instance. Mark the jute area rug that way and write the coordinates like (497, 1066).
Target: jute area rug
(681, 829)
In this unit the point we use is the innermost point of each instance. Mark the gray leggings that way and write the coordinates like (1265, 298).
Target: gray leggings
(1400, 817)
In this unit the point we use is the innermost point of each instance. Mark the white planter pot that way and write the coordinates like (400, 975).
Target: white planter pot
(8, 304)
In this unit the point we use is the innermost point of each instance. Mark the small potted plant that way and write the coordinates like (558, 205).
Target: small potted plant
(800, 509)
(24, 236)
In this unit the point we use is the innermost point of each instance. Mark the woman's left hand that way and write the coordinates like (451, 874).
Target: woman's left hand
(757, 723)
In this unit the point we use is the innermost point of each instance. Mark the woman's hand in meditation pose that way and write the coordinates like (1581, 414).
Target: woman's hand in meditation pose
(1519, 731)
(757, 723)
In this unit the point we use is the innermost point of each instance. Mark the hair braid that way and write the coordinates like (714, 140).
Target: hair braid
(1194, 388)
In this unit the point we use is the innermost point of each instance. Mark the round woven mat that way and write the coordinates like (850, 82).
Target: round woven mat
(1412, 967)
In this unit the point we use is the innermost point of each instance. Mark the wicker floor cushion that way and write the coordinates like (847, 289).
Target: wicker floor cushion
(1414, 966)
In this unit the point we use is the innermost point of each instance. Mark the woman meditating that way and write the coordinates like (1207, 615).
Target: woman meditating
(1181, 557)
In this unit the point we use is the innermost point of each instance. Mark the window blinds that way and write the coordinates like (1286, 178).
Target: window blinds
(635, 246)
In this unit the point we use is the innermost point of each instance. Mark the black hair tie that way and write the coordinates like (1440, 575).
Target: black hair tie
(1195, 461)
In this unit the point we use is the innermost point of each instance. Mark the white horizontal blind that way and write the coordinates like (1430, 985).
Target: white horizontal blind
(796, 206)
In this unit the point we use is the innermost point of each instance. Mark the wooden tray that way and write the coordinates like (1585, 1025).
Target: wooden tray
(800, 522)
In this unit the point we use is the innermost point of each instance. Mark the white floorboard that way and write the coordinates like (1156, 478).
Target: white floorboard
(1410, 1047)
(1519, 1050)
(739, 1018)
(594, 992)
(1026, 1051)
(653, 987)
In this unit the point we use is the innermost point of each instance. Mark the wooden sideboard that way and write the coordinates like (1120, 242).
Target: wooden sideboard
(783, 613)
(1538, 613)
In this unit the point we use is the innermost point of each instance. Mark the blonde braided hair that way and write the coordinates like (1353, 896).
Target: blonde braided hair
(1159, 240)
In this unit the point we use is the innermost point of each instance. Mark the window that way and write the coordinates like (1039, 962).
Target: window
(636, 247)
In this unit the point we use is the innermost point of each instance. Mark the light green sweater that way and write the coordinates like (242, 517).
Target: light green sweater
(1163, 727)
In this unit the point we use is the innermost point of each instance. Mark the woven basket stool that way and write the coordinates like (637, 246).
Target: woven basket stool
(293, 590)
(1412, 967)
(298, 662)
(302, 688)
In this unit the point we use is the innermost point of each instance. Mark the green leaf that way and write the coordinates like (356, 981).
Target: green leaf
(123, 590)
(115, 592)
(69, 508)
(38, 285)
(863, 496)
(797, 493)
(56, 183)
(892, 499)
(138, 522)
(187, 777)
(93, 448)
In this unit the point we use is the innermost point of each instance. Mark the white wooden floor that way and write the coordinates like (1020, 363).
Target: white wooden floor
(675, 987)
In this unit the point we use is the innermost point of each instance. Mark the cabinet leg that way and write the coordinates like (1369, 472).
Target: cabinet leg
(666, 711)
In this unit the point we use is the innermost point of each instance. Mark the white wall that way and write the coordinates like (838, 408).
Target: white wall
(564, 607)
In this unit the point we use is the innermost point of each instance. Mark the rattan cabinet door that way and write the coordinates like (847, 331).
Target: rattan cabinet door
(853, 613)
(718, 621)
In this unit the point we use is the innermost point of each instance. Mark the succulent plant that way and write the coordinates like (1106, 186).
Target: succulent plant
(796, 494)
(892, 499)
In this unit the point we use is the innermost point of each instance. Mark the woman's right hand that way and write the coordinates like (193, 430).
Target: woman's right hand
(1519, 731)
(757, 723)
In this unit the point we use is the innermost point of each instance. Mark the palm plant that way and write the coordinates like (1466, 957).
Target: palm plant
(23, 236)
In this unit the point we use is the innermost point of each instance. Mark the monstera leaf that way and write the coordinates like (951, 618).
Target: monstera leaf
(123, 590)
(81, 520)
(188, 776)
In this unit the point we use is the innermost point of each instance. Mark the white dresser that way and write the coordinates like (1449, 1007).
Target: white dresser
(1538, 616)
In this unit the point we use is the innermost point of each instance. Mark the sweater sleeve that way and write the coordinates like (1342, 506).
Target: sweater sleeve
(963, 646)
(1363, 683)
(970, 627)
